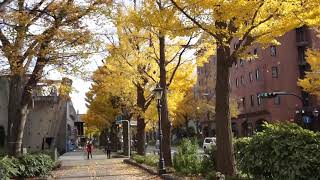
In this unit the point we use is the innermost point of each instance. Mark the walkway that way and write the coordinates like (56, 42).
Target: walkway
(75, 166)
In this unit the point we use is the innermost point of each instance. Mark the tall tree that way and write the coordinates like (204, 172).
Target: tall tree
(169, 41)
(311, 82)
(242, 23)
(36, 35)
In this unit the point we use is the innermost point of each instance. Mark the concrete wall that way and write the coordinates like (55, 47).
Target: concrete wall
(48, 117)
(4, 95)
(43, 121)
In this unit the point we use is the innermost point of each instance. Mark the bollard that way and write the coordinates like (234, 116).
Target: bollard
(55, 154)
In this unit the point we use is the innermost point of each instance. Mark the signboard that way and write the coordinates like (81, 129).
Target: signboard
(306, 119)
(133, 123)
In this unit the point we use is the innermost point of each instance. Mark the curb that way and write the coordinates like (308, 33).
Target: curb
(151, 170)
(141, 166)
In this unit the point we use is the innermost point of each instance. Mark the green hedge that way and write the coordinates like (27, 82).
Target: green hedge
(281, 151)
(187, 161)
(29, 165)
(150, 160)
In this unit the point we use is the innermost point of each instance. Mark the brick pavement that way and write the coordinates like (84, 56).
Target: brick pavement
(75, 166)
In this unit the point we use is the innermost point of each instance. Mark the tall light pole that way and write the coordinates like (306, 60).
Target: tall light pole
(158, 91)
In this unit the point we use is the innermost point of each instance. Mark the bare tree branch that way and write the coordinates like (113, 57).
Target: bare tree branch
(179, 62)
(193, 19)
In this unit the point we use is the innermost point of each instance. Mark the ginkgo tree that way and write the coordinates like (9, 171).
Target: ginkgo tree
(311, 82)
(170, 39)
(234, 27)
(37, 35)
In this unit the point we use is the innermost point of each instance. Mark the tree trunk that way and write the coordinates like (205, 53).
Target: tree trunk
(225, 155)
(125, 136)
(165, 123)
(141, 136)
(19, 98)
(141, 121)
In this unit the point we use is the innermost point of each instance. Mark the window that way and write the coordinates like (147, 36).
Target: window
(242, 80)
(243, 102)
(250, 76)
(273, 50)
(258, 99)
(252, 100)
(277, 100)
(301, 34)
(237, 82)
(255, 51)
(257, 74)
(274, 72)
(301, 55)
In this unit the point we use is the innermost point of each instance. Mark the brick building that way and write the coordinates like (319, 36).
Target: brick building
(278, 68)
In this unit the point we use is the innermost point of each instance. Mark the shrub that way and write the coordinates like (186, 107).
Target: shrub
(151, 160)
(47, 152)
(8, 168)
(32, 165)
(281, 151)
(187, 161)
(208, 163)
(29, 165)
(138, 158)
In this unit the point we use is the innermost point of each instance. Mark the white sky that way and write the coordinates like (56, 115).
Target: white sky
(78, 98)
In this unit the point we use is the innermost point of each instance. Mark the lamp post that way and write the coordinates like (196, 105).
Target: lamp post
(158, 91)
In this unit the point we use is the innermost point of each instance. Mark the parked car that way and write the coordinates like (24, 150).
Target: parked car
(208, 142)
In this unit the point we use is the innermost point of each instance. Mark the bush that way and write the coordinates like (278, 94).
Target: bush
(152, 160)
(47, 152)
(29, 165)
(138, 158)
(281, 151)
(35, 165)
(187, 161)
(208, 163)
(8, 168)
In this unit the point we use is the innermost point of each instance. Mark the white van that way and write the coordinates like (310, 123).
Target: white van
(208, 142)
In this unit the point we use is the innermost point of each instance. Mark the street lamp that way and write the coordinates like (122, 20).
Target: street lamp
(158, 92)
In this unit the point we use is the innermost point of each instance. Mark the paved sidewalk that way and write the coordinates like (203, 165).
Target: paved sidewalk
(75, 166)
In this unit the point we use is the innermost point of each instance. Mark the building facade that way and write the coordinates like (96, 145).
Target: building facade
(277, 69)
(51, 122)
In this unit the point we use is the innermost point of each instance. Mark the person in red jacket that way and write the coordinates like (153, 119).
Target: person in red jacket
(89, 149)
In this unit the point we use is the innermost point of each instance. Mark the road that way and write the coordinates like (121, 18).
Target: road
(75, 166)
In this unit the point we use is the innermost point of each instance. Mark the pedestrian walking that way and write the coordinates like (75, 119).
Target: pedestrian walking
(108, 147)
(89, 148)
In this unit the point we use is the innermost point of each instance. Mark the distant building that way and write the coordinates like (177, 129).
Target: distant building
(204, 89)
(278, 68)
(51, 121)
